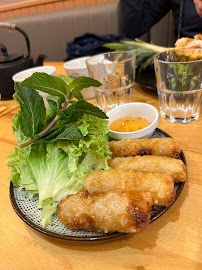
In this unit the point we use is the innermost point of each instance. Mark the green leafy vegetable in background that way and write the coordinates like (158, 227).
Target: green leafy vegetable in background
(183, 78)
(179, 72)
(59, 146)
(144, 51)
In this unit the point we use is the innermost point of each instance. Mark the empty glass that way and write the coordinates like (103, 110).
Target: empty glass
(116, 72)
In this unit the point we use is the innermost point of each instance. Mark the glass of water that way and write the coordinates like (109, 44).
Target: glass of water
(179, 84)
(116, 72)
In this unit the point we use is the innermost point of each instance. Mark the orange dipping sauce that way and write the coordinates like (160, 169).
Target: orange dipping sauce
(129, 124)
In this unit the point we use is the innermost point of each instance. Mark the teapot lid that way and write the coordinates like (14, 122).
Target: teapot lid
(8, 58)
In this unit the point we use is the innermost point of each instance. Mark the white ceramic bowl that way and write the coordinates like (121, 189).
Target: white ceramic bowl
(22, 75)
(77, 68)
(135, 109)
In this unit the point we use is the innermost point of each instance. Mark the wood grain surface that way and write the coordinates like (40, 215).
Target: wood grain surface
(171, 242)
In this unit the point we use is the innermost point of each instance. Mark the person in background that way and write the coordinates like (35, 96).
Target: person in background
(198, 5)
(136, 17)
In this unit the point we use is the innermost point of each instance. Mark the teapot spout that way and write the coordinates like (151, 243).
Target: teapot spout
(40, 60)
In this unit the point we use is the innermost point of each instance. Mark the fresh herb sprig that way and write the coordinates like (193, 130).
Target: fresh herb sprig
(62, 91)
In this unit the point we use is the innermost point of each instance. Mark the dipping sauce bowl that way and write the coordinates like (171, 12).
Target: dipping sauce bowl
(134, 109)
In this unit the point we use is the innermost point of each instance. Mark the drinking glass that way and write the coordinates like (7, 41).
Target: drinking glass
(116, 72)
(179, 84)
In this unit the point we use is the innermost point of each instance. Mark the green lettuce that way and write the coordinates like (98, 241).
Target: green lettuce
(54, 170)
(57, 147)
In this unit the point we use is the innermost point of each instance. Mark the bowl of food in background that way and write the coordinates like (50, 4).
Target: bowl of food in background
(132, 121)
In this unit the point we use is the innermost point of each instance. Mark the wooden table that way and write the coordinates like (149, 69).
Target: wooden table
(171, 242)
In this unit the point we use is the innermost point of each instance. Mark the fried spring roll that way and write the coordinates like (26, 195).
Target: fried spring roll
(160, 185)
(174, 167)
(114, 210)
(155, 146)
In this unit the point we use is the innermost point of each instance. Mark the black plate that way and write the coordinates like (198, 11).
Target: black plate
(146, 78)
(27, 210)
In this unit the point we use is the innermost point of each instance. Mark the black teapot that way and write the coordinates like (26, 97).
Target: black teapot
(11, 64)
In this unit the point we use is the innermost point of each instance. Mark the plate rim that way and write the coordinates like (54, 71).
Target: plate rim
(102, 237)
(46, 232)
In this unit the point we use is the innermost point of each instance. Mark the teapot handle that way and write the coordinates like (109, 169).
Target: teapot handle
(12, 26)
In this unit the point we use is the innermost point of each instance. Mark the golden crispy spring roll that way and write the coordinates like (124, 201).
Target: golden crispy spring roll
(160, 185)
(155, 146)
(114, 210)
(174, 167)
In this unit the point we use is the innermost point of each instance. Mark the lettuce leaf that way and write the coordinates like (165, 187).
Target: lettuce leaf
(54, 170)
(58, 146)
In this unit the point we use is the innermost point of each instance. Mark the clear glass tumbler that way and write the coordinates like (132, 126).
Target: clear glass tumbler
(116, 72)
(179, 84)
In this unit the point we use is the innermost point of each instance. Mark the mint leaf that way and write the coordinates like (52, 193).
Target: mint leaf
(68, 80)
(80, 83)
(85, 107)
(32, 110)
(61, 90)
(68, 132)
(52, 85)
(52, 134)
(55, 103)
(70, 117)
(71, 132)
